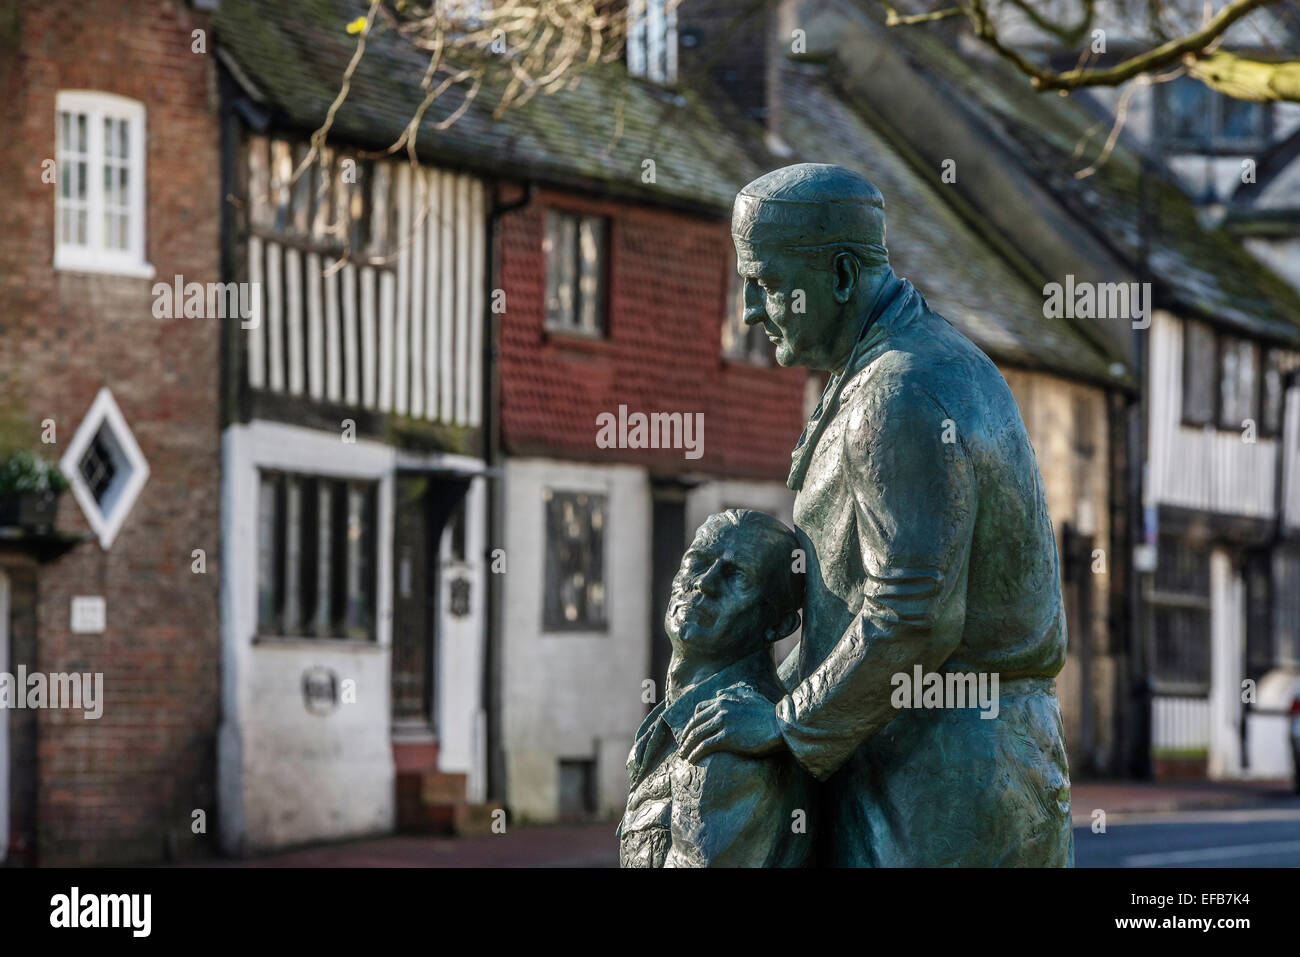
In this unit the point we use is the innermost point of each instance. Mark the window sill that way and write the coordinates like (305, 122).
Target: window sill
(574, 333)
(302, 641)
(1217, 429)
(67, 260)
(576, 631)
(578, 341)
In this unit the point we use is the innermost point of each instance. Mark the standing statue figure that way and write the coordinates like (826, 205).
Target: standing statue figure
(929, 551)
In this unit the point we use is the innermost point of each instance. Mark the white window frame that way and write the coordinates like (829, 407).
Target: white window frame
(94, 256)
(105, 525)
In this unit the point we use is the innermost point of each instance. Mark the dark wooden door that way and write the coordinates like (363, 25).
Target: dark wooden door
(424, 503)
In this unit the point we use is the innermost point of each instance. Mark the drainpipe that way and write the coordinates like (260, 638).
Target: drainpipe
(492, 657)
(1139, 739)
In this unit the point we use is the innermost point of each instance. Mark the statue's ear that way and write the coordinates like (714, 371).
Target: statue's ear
(784, 627)
(846, 276)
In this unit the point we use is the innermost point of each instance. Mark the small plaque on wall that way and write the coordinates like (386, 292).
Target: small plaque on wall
(88, 614)
(320, 690)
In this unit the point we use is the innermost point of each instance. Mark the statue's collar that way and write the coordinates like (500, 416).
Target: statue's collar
(894, 307)
(754, 670)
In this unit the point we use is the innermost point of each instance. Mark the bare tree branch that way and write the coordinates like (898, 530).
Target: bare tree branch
(1197, 51)
(1247, 79)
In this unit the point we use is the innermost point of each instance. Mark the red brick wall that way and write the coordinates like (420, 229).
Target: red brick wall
(116, 788)
(668, 280)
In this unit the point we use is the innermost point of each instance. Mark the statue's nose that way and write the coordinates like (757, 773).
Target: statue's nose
(708, 582)
(755, 307)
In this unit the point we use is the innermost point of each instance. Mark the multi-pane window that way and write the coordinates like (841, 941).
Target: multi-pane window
(740, 342)
(1258, 575)
(99, 199)
(316, 560)
(1200, 373)
(1197, 119)
(652, 39)
(1238, 382)
(1271, 399)
(1180, 602)
(1228, 380)
(575, 248)
(1286, 606)
(575, 561)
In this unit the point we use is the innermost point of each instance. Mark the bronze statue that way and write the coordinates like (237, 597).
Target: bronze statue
(734, 595)
(921, 512)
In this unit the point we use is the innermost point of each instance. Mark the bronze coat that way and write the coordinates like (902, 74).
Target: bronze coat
(928, 540)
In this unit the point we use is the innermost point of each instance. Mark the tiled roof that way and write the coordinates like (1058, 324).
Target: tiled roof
(596, 133)
(959, 273)
(1194, 269)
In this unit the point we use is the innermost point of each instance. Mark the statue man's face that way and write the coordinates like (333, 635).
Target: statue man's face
(716, 606)
(794, 301)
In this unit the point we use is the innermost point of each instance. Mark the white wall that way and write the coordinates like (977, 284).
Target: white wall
(1268, 739)
(1199, 468)
(1227, 634)
(579, 694)
(461, 720)
(573, 694)
(287, 775)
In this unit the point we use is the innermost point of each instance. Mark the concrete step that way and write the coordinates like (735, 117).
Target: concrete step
(436, 802)
(444, 787)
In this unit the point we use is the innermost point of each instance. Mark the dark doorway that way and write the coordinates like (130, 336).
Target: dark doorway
(18, 595)
(1078, 578)
(669, 541)
(424, 505)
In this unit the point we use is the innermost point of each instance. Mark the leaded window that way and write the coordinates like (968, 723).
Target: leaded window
(575, 561)
(316, 557)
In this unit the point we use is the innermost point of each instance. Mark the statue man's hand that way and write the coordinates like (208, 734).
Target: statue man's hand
(738, 720)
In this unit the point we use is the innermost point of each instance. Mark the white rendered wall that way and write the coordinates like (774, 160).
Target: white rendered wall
(462, 746)
(1227, 628)
(573, 695)
(287, 775)
(1206, 469)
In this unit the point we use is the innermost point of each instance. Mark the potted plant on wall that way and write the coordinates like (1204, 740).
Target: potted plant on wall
(30, 488)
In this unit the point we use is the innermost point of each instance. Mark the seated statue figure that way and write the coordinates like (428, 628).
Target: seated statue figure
(733, 596)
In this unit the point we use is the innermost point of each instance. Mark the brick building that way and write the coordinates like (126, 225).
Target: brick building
(573, 682)
(108, 121)
(390, 548)
(603, 272)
